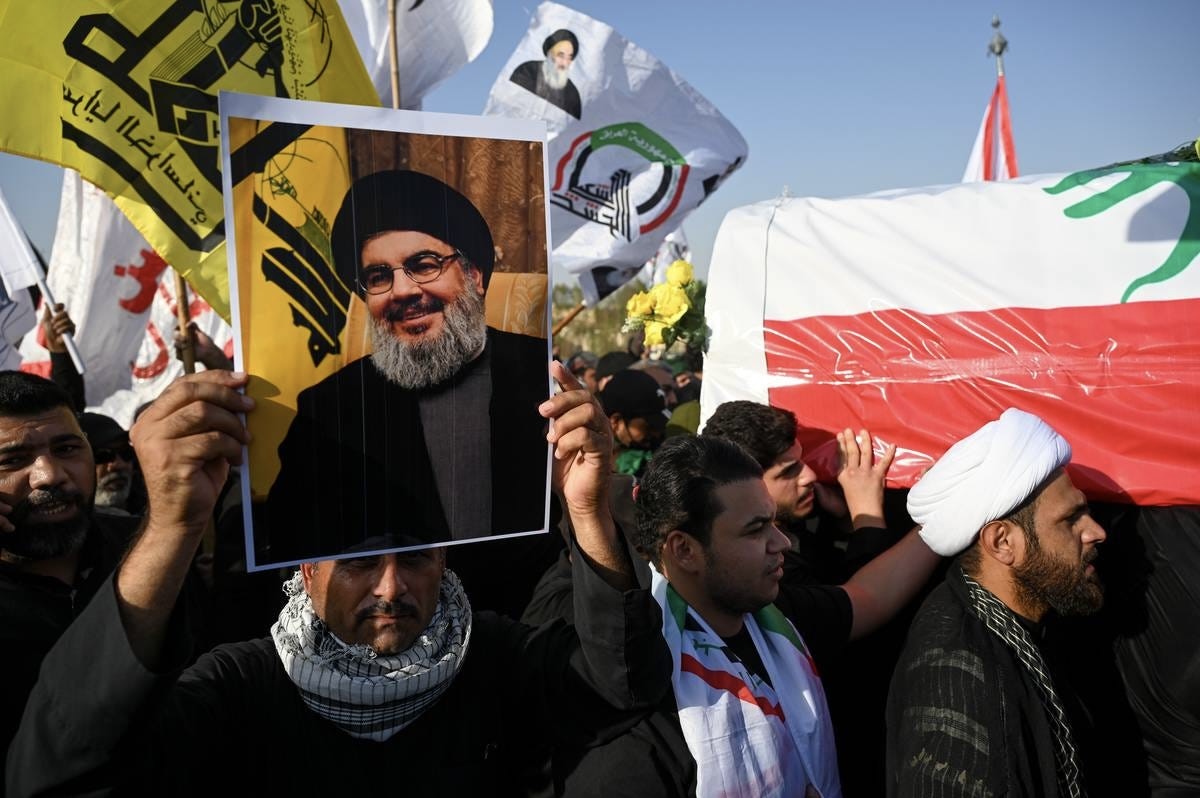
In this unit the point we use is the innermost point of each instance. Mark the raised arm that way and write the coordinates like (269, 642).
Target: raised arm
(583, 447)
(186, 442)
(56, 323)
(881, 587)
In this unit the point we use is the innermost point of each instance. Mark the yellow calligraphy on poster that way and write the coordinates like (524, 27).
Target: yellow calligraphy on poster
(126, 93)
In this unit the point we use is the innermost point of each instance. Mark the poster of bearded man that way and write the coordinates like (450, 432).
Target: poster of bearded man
(389, 294)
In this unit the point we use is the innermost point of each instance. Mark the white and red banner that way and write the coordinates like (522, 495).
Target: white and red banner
(434, 39)
(110, 279)
(633, 150)
(921, 314)
(994, 156)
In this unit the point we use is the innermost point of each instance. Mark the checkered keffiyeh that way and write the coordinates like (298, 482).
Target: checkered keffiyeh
(366, 695)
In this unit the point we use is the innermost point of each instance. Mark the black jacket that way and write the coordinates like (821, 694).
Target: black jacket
(964, 717)
(100, 723)
(35, 611)
(355, 472)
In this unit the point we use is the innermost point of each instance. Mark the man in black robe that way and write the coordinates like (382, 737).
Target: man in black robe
(976, 706)
(549, 78)
(54, 552)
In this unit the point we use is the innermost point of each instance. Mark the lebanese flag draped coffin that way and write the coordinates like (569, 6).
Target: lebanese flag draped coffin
(922, 314)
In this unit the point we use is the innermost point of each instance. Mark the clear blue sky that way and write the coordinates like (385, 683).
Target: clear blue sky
(837, 99)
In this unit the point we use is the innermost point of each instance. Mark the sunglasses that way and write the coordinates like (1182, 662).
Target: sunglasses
(102, 456)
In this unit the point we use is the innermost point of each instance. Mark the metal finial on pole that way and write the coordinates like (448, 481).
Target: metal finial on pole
(997, 46)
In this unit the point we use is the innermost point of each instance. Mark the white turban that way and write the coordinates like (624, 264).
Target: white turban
(983, 477)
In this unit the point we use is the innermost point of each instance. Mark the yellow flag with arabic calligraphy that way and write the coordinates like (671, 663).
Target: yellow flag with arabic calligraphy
(288, 181)
(125, 92)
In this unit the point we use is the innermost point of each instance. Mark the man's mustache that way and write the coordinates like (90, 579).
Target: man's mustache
(405, 309)
(42, 497)
(391, 609)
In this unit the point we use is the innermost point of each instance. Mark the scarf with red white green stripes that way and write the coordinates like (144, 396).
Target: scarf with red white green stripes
(747, 737)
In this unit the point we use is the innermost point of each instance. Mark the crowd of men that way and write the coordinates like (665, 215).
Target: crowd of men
(704, 618)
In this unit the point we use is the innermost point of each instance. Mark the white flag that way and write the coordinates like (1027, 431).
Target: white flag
(674, 247)
(107, 276)
(19, 267)
(154, 365)
(634, 148)
(434, 39)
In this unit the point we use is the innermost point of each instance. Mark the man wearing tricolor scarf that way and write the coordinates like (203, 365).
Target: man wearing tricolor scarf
(378, 677)
(747, 715)
(976, 707)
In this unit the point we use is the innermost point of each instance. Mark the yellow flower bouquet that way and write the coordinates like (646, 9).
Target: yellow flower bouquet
(670, 311)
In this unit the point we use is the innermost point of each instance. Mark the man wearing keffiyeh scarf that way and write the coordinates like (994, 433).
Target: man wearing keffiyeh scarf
(750, 717)
(378, 676)
(364, 656)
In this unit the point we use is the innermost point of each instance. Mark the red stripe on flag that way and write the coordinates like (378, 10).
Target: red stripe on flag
(41, 368)
(723, 680)
(662, 217)
(1121, 382)
(566, 159)
(989, 137)
(1006, 137)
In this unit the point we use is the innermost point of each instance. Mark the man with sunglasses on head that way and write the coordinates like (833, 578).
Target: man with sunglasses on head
(115, 473)
(55, 552)
(436, 435)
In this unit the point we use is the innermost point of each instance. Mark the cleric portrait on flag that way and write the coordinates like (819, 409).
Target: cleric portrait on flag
(390, 294)
(550, 78)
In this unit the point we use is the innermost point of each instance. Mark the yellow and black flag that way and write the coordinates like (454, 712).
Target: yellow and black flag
(125, 92)
(288, 181)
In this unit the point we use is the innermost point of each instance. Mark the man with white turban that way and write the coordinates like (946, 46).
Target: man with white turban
(973, 708)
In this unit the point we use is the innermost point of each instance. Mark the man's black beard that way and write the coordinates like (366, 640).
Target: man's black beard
(42, 540)
(1065, 588)
(423, 364)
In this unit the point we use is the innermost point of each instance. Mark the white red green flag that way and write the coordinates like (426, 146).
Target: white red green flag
(921, 314)
(634, 148)
(994, 156)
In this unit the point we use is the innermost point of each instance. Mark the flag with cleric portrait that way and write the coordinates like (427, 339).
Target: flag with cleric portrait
(434, 39)
(121, 296)
(125, 92)
(634, 148)
(921, 314)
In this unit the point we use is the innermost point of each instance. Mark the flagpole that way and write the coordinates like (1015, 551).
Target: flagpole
(392, 54)
(567, 319)
(67, 338)
(39, 276)
(997, 46)
(188, 350)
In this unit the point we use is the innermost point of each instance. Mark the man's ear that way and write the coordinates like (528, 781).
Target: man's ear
(475, 277)
(1002, 541)
(683, 551)
(306, 574)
